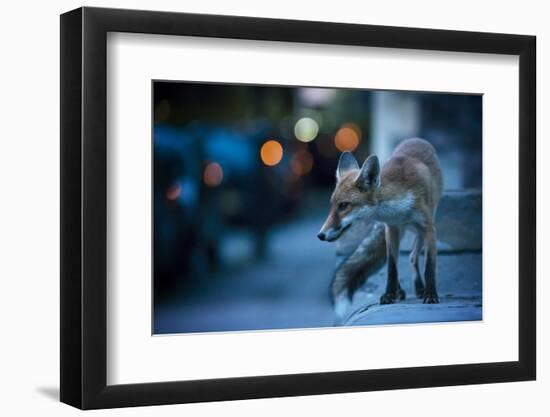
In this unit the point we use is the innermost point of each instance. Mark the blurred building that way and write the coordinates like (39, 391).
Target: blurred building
(451, 122)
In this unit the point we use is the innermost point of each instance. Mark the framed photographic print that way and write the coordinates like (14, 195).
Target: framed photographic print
(257, 208)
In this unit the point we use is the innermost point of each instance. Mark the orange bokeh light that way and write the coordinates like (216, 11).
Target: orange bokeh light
(173, 192)
(347, 138)
(301, 163)
(271, 153)
(213, 174)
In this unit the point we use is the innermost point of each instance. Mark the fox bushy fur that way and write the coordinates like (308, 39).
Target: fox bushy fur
(403, 195)
(354, 268)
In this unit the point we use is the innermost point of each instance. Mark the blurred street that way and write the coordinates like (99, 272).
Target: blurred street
(289, 289)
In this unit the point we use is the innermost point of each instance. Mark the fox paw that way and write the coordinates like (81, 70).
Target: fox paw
(390, 297)
(431, 298)
(387, 298)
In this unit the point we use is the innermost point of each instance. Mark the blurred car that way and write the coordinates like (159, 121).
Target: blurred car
(209, 179)
(181, 241)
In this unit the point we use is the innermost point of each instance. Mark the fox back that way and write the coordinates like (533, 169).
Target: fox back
(414, 166)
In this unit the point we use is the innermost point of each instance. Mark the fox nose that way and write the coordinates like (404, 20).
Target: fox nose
(321, 236)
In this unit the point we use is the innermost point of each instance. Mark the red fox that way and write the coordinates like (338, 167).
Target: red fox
(403, 195)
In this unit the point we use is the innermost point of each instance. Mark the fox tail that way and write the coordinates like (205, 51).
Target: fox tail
(351, 274)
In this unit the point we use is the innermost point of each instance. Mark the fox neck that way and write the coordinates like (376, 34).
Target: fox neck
(391, 207)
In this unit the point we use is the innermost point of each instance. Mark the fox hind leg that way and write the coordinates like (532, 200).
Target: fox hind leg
(414, 258)
(430, 291)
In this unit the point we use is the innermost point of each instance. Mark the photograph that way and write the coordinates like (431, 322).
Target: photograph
(300, 207)
(264, 209)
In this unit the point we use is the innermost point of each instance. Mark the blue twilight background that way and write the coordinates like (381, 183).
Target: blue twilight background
(242, 180)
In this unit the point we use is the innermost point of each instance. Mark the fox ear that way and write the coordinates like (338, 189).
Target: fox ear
(369, 176)
(346, 163)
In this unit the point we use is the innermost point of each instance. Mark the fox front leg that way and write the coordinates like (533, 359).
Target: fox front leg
(393, 288)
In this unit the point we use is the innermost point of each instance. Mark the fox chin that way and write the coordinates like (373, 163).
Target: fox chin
(402, 195)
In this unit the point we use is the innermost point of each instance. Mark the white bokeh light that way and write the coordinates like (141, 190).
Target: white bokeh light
(306, 129)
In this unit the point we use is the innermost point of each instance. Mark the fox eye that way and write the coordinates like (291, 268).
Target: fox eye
(343, 205)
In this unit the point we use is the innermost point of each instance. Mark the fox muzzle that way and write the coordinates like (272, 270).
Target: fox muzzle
(333, 233)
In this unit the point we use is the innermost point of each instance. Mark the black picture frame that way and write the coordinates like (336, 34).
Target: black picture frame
(84, 207)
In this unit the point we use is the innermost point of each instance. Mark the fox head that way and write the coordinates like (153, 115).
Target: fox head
(354, 195)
